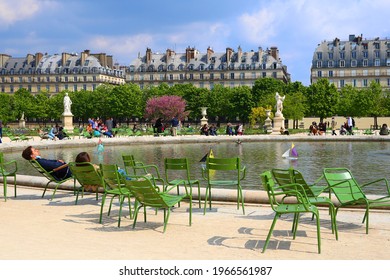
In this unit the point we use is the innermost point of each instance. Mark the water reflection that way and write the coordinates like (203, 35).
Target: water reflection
(367, 160)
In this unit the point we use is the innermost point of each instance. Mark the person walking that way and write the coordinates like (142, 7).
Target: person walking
(333, 126)
(174, 125)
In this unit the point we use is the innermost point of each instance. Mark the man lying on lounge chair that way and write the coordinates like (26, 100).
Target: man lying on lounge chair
(60, 168)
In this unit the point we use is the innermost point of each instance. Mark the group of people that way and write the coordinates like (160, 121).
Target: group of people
(209, 130)
(320, 129)
(237, 130)
(97, 128)
(56, 132)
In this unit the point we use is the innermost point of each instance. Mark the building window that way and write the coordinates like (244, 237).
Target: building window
(319, 64)
(319, 55)
(151, 77)
(253, 75)
(388, 82)
(93, 86)
(162, 77)
(365, 62)
(365, 72)
(242, 76)
(342, 83)
(274, 75)
(222, 76)
(330, 73)
(201, 84)
(84, 87)
(365, 54)
(66, 87)
(330, 55)
(365, 82)
(264, 74)
(74, 87)
(342, 63)
(191, 76)
(353, 63)
(353, 73)
(171, 76)
(353, 55)
(75, 78)
(342, 55)
(211, 85)
(57, 88)
(211, 76)
(38, 88)
(377, 72)
(29, 88)
(330, 64)
(319, 74)
(341, 73)
(201, 76)
(232, 76)
(378, 81)
(377, 62)
(377, 54)
(181, 77)
(354, 82)
(232, 84)
(11, 88)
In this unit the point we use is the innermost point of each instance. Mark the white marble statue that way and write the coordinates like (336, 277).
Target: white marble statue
(67, 104)
(279, 103)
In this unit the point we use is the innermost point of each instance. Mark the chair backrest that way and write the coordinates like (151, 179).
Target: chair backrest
(291, 176)
(269, 184)
(176, 164)
(86, 174)
(130, 164)
(343, 184)
(111, 176)
(44, 172)
(223, 164)
(145, 192)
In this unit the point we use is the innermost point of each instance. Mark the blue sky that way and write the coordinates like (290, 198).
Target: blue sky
(125, 28)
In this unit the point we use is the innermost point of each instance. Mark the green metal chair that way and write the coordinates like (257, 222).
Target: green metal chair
(8, 169)
(137, 168)
(114, 185)
(181, 168)
(302, 205)
(224, 168)
(146, 195)
(87, 175)
(350, 193)
(50, 176)
(293, 176)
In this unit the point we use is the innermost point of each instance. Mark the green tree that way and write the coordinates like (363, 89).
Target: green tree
(24, 102)
(295, 102)
(241, 100)
(264, 90)
(6, 108)
(322, 99)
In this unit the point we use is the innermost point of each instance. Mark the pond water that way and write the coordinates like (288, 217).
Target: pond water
(367, 160)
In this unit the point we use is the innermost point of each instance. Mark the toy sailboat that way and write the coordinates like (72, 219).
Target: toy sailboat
(291, 153)
(209, 154)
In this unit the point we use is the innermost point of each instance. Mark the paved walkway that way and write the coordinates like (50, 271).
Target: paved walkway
(40, 229)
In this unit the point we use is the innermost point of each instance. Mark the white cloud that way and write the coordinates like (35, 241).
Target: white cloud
(12, 11)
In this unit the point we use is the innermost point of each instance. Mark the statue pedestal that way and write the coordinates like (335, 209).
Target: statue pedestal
(203, 121)
(67, 121)
(278, 123)
(22, 123)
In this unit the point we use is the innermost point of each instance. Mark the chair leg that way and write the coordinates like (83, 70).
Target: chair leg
(166, 217)
(136, 214)
(101, 207)
(121, 199)
(240, 198)
(205, 200)
(54, 192)
(44, 191)
(178, 193)
(367, 217)
(199, 200)
(296, 222)
(130, 212)
(5, 187)
(318, 232)
(190, 210)
(270, 232)
(109, 208)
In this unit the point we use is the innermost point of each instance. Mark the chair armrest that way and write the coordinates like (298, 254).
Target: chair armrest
(243, 171)
(5, 166)
(376, 181)
(60, 167)
(203, 166)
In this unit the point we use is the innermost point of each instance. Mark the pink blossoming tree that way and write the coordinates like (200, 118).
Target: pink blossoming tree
(166, 107)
